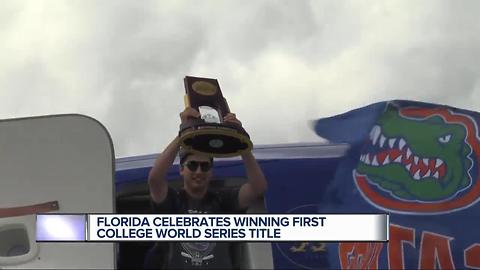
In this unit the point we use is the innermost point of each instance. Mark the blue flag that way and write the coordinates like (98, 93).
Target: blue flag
(419, 162)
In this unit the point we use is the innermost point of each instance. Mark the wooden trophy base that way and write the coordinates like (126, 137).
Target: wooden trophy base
(215, 140)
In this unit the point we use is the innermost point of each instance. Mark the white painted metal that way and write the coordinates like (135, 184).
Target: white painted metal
(67, 158)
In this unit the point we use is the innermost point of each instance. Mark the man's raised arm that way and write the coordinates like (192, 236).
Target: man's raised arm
(157, 178)
(256, 185)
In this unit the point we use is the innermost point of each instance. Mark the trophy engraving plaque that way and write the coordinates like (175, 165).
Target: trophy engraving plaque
(208, 134)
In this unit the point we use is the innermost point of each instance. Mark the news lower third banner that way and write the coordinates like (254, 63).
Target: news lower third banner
(260, 228)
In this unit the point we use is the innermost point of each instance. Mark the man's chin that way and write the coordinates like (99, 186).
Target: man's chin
(199, 183)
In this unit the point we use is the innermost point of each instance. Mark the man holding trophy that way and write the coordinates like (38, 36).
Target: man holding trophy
(208, 129)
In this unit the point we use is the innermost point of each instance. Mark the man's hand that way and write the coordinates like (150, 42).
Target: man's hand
(189, 112)
(232, 118)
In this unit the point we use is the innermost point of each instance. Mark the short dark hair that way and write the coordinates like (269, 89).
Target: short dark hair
(183, 154)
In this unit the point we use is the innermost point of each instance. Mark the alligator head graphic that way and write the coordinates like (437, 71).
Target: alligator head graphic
(416, 156)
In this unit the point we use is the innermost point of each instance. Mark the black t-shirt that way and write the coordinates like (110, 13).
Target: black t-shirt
(199, 255)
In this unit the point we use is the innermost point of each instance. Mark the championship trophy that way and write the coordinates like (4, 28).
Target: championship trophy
(209, 134)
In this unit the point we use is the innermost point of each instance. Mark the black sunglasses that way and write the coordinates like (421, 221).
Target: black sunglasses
(192, 165)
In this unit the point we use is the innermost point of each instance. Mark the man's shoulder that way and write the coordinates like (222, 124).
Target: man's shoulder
(227, 198)
(169, 205)
(171, 192)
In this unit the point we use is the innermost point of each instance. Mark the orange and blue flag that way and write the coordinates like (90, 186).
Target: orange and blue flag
(419, 162)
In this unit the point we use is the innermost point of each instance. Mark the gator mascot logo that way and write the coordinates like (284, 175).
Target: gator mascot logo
(420, 161)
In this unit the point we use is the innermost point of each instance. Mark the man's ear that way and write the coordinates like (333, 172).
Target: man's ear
(180, 169)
